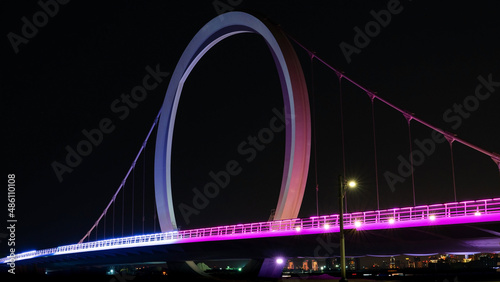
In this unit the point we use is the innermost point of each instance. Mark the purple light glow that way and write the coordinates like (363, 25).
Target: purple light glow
(357, 224)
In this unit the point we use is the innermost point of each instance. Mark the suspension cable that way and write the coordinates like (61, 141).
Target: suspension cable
(124, 179)
(494, 156)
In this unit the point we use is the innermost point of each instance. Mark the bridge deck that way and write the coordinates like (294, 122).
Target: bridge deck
(487, 210)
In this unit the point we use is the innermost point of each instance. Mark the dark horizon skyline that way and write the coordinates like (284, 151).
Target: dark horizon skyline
(77, 74)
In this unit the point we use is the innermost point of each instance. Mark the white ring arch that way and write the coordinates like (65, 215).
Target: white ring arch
(297, 113)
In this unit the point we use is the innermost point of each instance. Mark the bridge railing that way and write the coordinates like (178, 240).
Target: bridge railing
(456, 209)
(351, 220)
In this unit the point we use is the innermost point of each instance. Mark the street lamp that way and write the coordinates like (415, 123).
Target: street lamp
(342, 191)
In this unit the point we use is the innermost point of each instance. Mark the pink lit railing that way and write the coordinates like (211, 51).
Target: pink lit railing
(476, 211)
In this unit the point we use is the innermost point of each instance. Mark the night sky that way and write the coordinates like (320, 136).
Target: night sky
(71, 74)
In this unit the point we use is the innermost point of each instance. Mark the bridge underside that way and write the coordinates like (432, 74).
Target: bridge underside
(470, 238)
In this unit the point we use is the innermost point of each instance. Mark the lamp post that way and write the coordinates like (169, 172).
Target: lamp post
(342, 191)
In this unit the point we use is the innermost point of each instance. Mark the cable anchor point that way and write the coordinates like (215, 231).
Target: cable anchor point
(371, 94)
(449, 136)
(408, 116)
(340, 74)
(312, 54)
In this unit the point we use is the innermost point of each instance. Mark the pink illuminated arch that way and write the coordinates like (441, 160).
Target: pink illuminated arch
(296, 101)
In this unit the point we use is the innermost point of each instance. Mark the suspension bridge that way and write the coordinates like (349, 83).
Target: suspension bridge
(460, 227)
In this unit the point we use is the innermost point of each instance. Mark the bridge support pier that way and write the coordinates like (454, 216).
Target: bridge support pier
(184, 268)
(264, 268)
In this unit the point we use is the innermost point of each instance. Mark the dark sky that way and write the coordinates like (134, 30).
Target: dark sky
(75, 66)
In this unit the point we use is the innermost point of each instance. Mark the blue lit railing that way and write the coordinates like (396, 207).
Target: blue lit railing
(449, 213)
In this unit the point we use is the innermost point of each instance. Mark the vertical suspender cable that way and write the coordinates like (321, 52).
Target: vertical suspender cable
(342, 132)
(450, 141)
(154, 214)
(123, 207)
(113, 227)
(314, 132)
(104, 235)
(453, 173)
(372, 97)
(154, 217)
(143, 185)
(409, 118)
(133, 198)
